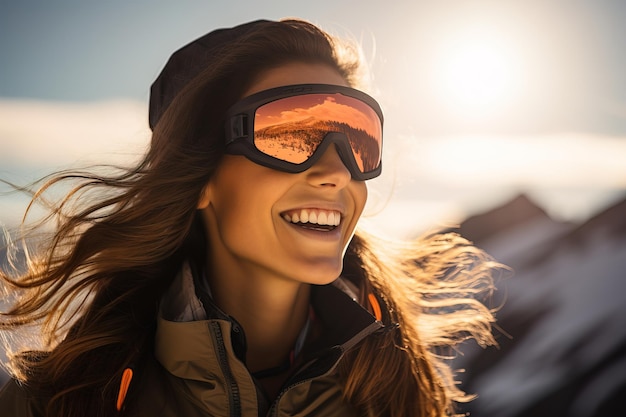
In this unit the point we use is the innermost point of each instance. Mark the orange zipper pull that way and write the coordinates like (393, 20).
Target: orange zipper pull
(127, 376)
(375, 306)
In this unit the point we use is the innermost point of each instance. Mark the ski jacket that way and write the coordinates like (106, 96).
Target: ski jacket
(197, 368)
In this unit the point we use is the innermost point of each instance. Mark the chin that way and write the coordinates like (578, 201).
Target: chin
(317, 270)
(320, 276)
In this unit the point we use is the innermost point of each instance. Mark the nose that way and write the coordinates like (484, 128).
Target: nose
(329, 170)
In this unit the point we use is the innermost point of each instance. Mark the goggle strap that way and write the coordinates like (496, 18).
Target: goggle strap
(238, 127)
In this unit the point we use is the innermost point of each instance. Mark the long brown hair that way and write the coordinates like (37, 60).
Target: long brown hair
(120, 239)
(433, 288)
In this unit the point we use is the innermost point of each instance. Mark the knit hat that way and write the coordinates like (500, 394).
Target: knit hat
(189, 61)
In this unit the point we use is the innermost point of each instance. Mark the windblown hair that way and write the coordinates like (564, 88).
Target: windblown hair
(120, 238)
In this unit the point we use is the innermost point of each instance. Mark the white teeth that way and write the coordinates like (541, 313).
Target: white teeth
(321, 217)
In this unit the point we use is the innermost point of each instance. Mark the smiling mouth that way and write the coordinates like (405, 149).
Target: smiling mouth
(314, 219)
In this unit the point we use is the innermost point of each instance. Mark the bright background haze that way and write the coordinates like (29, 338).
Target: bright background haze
(482, 99)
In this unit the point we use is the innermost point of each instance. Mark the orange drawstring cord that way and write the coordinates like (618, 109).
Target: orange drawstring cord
(127, 376)
(375, 306)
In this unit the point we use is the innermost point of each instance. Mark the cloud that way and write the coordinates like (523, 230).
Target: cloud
(429, 181)
(556, 160)
(38, 134)
(38, 137)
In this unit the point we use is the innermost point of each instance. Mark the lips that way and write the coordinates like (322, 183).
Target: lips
(316, 219)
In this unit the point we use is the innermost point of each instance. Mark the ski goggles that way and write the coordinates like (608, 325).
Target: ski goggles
(289, 128)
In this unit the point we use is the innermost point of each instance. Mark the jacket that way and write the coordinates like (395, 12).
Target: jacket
(197, 367)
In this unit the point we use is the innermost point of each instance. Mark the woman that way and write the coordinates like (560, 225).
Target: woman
(222, 275)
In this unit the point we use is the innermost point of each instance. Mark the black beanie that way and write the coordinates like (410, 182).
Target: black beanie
(189, 61)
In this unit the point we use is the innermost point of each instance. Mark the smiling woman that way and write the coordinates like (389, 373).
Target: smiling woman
(221, 278)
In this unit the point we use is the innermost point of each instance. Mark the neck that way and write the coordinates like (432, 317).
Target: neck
(271, 310)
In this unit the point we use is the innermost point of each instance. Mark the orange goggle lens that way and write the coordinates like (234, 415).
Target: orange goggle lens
(292, 128)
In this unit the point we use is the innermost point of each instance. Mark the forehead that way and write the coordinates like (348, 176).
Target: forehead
(296, 73)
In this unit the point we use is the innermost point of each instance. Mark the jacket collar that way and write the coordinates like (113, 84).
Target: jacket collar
(184, 346)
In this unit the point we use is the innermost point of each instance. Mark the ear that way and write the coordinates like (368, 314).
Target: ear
(205, 197)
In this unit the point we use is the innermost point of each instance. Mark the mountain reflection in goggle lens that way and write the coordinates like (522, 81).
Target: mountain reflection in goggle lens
(292, 128)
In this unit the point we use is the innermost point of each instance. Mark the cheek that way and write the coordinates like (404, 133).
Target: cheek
(239, 211)
(241, 207)
(359, 193)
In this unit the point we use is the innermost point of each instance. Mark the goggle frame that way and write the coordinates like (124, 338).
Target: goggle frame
(240, 121)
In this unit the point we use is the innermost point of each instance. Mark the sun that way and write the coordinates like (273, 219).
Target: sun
(477, 75)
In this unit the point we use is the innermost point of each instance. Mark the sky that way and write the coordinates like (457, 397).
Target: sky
(482, 99)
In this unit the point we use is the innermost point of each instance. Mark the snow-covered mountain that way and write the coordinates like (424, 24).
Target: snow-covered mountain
(563, 340)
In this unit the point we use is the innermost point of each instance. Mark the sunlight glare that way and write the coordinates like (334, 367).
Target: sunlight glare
(478, 75)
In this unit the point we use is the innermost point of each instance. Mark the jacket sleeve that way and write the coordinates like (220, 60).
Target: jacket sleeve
(15, 401)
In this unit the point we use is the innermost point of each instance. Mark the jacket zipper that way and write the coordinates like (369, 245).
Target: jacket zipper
(304, 377)
(273, 411)
(234, 398)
